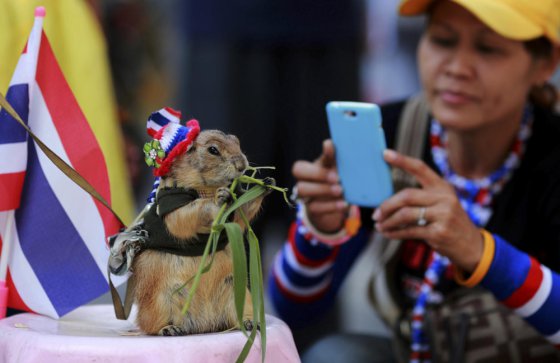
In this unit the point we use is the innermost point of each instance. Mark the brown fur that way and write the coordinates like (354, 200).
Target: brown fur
(158, 275)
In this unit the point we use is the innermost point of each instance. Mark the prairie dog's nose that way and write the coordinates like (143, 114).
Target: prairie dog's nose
(240, 163)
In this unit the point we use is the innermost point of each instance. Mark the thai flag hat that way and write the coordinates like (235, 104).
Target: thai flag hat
(170, 139)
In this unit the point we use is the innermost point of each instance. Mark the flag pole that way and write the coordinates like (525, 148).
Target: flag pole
(7, 239)
(4, 258)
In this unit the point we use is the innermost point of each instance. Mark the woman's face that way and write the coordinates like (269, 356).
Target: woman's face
(472, 76)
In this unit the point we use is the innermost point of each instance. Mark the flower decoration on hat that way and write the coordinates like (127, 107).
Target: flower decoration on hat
(153, 153)
(170, 139)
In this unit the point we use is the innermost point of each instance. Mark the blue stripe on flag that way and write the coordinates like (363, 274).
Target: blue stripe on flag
(159, 119)
(179, 136)
(10, 130)
(52, 245)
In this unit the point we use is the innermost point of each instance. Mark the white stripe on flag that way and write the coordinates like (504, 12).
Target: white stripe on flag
(540, 297)
(28, 286)
(153, 125)
(27, 63)
(24, 73)
(10, 164)
(169, 116)
(78, 205)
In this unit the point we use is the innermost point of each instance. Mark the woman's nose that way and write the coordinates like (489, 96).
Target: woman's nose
(460, 63)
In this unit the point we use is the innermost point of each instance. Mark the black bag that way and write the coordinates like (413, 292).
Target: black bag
(472, 326)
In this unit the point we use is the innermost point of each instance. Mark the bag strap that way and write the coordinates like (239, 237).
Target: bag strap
(411, 137)
(410, 141)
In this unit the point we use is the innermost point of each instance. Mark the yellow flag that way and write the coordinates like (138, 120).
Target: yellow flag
(79, 45)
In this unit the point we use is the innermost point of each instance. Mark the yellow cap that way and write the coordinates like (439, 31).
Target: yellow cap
(514, 19)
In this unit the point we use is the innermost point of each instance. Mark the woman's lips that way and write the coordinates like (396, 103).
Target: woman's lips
(454, 97)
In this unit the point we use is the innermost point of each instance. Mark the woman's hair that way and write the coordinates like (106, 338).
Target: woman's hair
(544, 95)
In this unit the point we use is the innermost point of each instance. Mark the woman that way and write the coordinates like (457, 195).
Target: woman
(489, 198)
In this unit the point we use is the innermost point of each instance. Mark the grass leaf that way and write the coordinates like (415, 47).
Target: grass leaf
(257, 293)
(235, 236)
(253, 193)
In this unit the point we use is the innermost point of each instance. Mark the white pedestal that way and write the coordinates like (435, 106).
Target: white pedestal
(93, 334)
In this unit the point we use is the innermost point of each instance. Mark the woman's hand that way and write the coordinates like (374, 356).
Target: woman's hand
(447, 228)
(317, 186)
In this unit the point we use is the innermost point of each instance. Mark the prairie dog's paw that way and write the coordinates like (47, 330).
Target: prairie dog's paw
(223, 196)
(171, 331)
(249, 325)
(269, 182)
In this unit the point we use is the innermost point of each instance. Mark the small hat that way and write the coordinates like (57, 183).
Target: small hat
(514, 19)
(170, 139)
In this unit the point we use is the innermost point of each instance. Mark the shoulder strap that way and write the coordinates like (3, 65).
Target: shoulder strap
(410, 140)
(411, 137)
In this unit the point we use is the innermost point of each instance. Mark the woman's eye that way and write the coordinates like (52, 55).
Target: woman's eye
(487, 49)
(443, 41)
(213, 150)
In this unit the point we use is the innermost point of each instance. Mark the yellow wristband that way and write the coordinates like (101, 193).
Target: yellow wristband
(483, 265)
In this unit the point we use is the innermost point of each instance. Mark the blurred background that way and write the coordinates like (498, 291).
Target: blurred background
(262, 70)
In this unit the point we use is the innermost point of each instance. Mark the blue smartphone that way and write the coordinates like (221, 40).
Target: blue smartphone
(359, 141)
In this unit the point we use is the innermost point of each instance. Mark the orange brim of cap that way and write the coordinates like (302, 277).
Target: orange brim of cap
(497, 15)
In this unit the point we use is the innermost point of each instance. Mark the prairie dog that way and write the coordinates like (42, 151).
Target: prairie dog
(209, 166)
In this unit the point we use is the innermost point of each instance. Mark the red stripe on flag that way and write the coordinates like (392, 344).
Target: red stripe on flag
(11, 185)
(74, 130)
(24, 49)
(174, 112)
(528, 289)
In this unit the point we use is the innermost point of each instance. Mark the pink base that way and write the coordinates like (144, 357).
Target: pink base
(93, 334)
(3, 299)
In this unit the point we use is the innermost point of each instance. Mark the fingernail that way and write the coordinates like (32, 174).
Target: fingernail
(341, 204)
(376, 214)
(389, 155)
(332, 177)
(336, 190)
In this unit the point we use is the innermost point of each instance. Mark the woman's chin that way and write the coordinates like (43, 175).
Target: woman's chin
(458, 117)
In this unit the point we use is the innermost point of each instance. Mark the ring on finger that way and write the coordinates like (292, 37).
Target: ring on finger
(421, 221)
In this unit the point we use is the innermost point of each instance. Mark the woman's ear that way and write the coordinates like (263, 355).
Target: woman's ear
(543, 93)
(548, 66)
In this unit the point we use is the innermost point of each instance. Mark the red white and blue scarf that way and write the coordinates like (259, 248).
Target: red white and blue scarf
(476, 196)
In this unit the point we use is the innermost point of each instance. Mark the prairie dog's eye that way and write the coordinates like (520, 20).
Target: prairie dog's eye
(213, 150)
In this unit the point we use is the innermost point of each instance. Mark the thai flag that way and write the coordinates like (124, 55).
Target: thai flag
(56, 231)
